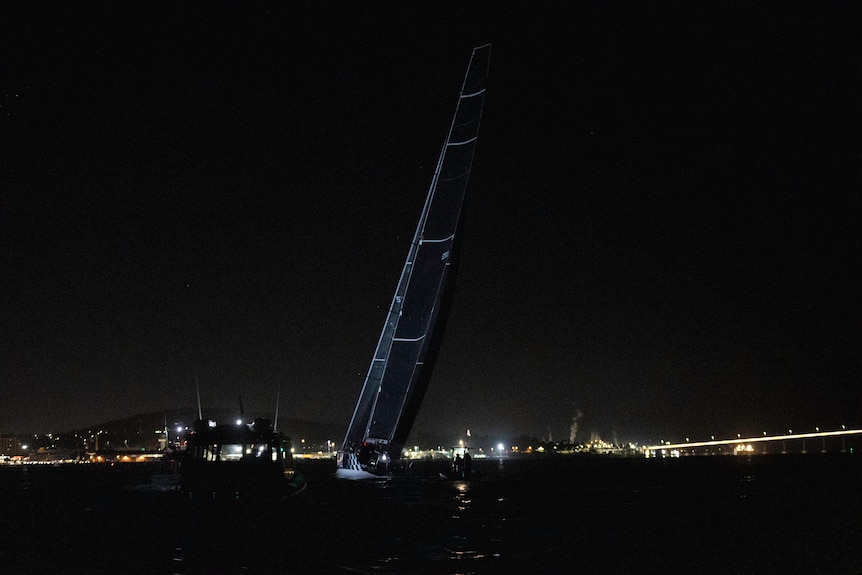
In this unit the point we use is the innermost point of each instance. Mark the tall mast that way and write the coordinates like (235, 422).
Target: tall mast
(277, 399)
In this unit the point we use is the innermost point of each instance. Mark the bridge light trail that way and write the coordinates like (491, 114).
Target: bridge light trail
(763, 438)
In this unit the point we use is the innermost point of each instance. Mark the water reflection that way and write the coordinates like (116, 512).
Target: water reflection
(468, 542)
(462, 499)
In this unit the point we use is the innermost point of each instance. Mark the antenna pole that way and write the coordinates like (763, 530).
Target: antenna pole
(277, 400)
(198, 389)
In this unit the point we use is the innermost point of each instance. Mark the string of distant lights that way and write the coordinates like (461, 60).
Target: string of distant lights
(757, 439)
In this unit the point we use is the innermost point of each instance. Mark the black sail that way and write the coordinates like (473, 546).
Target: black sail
(402, 363)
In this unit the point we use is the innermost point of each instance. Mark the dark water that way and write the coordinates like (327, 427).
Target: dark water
(766, 514)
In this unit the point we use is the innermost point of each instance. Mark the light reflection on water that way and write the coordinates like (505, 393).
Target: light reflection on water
(461, 547)
(461, 499)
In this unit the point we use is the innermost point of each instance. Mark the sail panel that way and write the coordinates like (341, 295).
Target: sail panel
(401, 366)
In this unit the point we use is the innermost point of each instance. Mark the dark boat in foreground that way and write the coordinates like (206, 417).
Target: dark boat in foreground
(241, 461)
(402, 363)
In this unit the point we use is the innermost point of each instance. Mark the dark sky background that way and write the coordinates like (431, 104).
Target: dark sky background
(662, 228)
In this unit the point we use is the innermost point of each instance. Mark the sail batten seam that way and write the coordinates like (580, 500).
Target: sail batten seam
(427, 241)
(482, 91)
(461, 143)
(409, 339)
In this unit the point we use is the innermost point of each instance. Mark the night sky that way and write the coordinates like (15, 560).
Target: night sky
(661, 232)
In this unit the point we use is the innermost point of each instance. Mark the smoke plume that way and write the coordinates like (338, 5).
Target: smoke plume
(573, 428)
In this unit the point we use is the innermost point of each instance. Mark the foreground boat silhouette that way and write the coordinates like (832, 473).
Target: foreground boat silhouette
(241, 461)
(406, 351)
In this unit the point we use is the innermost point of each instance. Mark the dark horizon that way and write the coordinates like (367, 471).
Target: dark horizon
(661, 228)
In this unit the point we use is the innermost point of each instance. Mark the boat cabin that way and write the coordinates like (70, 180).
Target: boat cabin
(236, 461)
